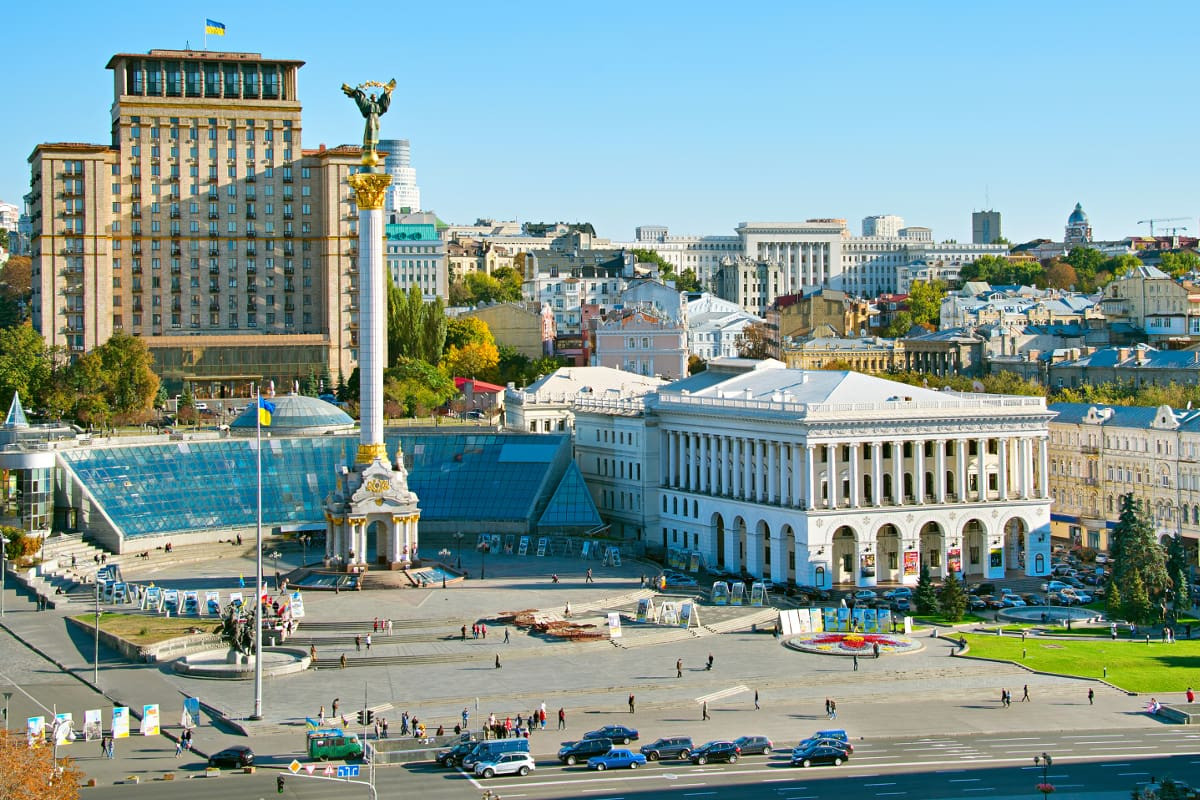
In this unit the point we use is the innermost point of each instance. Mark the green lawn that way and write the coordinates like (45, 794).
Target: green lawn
(144, 629)
(1132, 666)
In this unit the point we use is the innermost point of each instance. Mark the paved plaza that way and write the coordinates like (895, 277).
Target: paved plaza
(426, 669)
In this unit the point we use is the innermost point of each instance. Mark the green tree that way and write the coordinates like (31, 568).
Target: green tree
(926, 597)
(1122, 264)
(1114, 602)
(350, 390)
(186, 413)
(1139, 566)
(1177, 264)
(16, 290)
(25, 365)
(464, 330)
(953, 600)
(1177, 572)
(417, 386)
(902, 322)
(1086, 261)
(511, 280)
(433, 330)
(696, 365)
(512, 366)
(483, 288)
(127, 377)
(925, 301)
(472, 360)
(310, 386)
(685, 281)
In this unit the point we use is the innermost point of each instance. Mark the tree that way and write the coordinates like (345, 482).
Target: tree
(472, 360)
(1177, 572)
(186, 413)
(462, 331)
(755, 341)
(926, 597)
(1061, 275)
(925, 301)
(1139, 568)
(696, 364)
(685, 281)
(433, 330)
(1122, 264)
(310, 387)
(127, 378)
(953, 600)
(29, 773)
(1178, 264)
(902, 322)
(417, 386)
(511, 280)
(16, 290)
(24, 365)
(1114, 603)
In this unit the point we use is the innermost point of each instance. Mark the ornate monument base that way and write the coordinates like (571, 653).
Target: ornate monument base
(372, 505)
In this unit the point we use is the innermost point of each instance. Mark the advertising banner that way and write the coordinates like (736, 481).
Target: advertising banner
(803, 621)
(35, 730)
(191, 602)
(150, 720)
(954, 559)
(912, 563)
(757, 591)
(868, 565)
(885, 620)
(212, 603)
(737, 594)
(643, 609)
(843, 619)
(235, 599)
(694, 562)
(63, 728)
(93, 725)
(614, 625)
(995, 558)
(120, 722)
(191, 712)
(296, 605)
(858, 619)
(685, 614)
(830, 619)
(720, 593)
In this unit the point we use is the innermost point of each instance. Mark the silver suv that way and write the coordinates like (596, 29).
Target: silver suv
(506, 764)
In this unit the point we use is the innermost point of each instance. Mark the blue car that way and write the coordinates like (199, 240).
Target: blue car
(617, 759)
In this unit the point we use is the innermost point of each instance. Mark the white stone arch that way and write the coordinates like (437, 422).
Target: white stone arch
(930, 535)
(973, 533)
(1015, 531)
(888, 543)
(762, 545)
(721, 541)
(788, 534)
(740, 551)
(843, 545)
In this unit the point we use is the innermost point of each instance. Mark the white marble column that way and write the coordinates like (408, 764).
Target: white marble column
(779, 557)
(747, 469)
(1043, 468)
(855, 478)
(960, 453)
(705, 482)
(919, 471)
(1026, 477)
(797, 470)
(939, 464)
(832, 482)
(981, 446)
(877, 473)
(810, 475)
(772, 453)
(372, 304)
(898, 473)
(1002, 468)
(667, 459)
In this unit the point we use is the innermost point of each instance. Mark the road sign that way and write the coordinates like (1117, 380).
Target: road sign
(348, 771)
(329, 770)
(309, 768)
(294, 767)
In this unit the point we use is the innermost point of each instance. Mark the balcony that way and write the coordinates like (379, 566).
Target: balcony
(213, 215)
(252, 288)
(251, 234)
(213, 234)
(1089, 449)
(214, 306)
(176, 251)
(287, 178)
(288, 215)
(214, 251)
(251, 269)
(175, 269)
(212, 178)
(288, 234)
(175, 214)
(289, 286)
(251, 215)
(251, 251)
(250, 179)
(214, 270)
(289, 270)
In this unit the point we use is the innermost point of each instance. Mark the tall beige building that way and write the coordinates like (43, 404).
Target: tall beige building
(204, 228)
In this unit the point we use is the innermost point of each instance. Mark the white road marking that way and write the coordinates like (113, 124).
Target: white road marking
(1126, 764)
(891, 783)
(965, 780)
(1015, 739)
(886, 794)
(1128, 774)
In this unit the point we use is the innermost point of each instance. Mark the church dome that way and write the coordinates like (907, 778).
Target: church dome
(296, 414)
(1077, 216)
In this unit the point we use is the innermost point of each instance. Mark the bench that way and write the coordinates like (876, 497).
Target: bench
(1179, 715)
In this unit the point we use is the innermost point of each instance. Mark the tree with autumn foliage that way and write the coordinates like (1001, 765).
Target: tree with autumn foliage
(28, 773)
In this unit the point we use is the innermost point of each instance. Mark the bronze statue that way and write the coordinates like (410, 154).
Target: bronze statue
(372, 106)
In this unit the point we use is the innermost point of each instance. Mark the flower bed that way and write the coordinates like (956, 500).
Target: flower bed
(853, 644)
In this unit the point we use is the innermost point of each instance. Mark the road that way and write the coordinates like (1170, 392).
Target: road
(1095, 765)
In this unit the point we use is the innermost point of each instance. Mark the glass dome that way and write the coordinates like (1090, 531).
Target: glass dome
(296, 413)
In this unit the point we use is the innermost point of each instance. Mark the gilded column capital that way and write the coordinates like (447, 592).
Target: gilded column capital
(369, 189)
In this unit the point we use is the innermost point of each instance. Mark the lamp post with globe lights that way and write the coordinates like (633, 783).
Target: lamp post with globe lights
(1045, 762)
(444, 554)
(484, 548)
(458, 537)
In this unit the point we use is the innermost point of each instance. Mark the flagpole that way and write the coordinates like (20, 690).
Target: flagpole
(258, 570)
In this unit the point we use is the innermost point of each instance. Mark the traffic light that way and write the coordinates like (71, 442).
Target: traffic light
(362, 717)
(370, 716)
(279, 784)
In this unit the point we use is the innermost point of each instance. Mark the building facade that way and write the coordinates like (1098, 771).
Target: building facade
(882, 225)
(1079, 230)
(827, 478)
(716, 327)
(548, 404)
(985, 227)
(642, 341)
(403, 195)
(1152, 301)
(203, 228)
(416, 256)
(528, 328)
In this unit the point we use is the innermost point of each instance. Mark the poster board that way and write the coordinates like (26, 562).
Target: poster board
(484, 538)
(64, 728)
(191, 602)
(523, 550)
(912, 563)
(509, 543)
(954, 560)
(758, 592)
(35, 730)
(688, 614)
(737, 593)
(614, 625)
(668, 614)
(212, 603)
(615, 561)
(191, 712)
(120, 722)
(150, 725)
(496, 543)
(235, 599)
(645, 609)
(543, 542)
(93, 725)
(585, 550)
(296, 605)
(171, 601)
(694, 562)
(720, 593)
(867, 566)
(152, 599)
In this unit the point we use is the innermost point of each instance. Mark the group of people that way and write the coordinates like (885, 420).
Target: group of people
(522, 727)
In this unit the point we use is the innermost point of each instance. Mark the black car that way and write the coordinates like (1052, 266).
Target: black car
(815, 592)
(236, 756)
(618, 733)
(753, 745)
(716, 751)
(573, 752)
(825, 752)
(454, 756)
(983, 588)
(669, 747)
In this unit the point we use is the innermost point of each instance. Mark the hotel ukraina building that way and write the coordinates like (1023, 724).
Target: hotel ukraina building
(823, 477)
(203, 227)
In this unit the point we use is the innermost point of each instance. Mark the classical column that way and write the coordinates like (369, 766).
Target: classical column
(754, 552)
(1026, 463)
(898, 473)
(797, 467)
(855, 478)
(747, 467)
(939, 464)
(772, 453)
(981, 447)
(919, 471)
(832, 479)
(730, 468)
(810, 475)
(876, 473)
(666, 459)
(1043, 468)
(960, 455)
(702, 463)
(1002, 468)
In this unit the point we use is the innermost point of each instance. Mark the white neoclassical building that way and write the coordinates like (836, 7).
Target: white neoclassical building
(826, 477)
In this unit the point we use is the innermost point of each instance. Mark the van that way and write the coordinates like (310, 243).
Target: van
(493, 749)
(334, 743)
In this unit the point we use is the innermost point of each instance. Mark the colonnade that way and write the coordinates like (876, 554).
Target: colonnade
(853, 474)
(346, 545)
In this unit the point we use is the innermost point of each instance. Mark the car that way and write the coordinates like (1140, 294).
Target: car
(1033, 599)
(574, 752)
(991, 601)
(1101, 558)
(683, 581)
(507, 764)
(474, 414)
(836, 734)
(1080, 597)
(902, 604)
(619, 758)
(1012, 601)
(983, 588)
(754, 745)
(865, 594)
(237, 756)
(814, 591)
(1006, 590)
(1061, 599)
(825, 752)
(454, 756)
(668, 747)
(899, 591)
(1054, 586)
(619, 734)
(201, 407)
(1073, 582)
(975, 604)
(716, 751)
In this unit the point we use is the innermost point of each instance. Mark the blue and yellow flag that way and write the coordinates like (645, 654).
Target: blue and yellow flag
(213, 27)
(265, 409)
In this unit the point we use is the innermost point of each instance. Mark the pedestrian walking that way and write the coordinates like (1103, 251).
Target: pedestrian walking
(337, 701)
(1091, 697)
(828, 708)
(375, 625)
(466, 717)
(464, 633)
(1025, 696)
(383, 727)
(404, 724)
(506, 635)
(376, 727)
(368, 642)
(112, 747)
(178, 747)
(875, 649)
(679, 668)
(588, 577)
(562, 718)
(475, 631)
(389, 627)
(833, 709)
(855, 662)
(321, 716)
(342, 661)
(358, 643)
(104, 746)
(710, 663)
(756, 706)
(497, 661)
(542, 717)
(483, 630)
(312, 653)
(704, 711)
(631, 704)
(567, 610)
(1191, 696)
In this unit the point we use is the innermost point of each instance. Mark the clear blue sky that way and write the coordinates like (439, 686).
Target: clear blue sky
(697, 115)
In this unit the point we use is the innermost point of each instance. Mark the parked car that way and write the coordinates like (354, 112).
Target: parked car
(983, 588)
(1012, 601)
(716, 751)
(865, 594)
(991, 601)
(902, 604)
(1005, 590)
(454, 756)
(617, 759)
(1054, 586)
(1034, 599)
(754, 745)
(899, 591)
(668, 747)
(618, 733)
(574, 752)
(237, 756)
(976, 604)
(815, 592)
(1081, 597)
(824, 752)
(1062, 599)
(507, 764)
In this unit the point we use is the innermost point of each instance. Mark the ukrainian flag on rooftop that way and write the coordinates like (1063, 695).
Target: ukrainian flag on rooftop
(265, 409)
(213, 27)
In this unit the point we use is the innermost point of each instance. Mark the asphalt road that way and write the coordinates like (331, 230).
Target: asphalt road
(1093, 765)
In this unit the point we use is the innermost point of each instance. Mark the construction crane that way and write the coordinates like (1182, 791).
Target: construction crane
(1151, 222)
(1174, 230)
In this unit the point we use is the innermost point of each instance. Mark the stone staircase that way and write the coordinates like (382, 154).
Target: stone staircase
(761, 616)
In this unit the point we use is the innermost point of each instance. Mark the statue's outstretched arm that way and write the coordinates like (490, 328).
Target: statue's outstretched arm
(348, 90)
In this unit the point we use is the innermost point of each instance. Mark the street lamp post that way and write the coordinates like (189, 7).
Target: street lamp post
(484, 548)
(4, 572)
(304, 550)
(444, 554)
(96, 640)
(1044, 761)
(275, 565)
(7, 697)
(458, 537)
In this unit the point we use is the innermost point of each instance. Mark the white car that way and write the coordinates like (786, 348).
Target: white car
(506, 764)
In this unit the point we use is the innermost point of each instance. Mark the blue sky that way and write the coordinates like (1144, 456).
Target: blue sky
(698, 115)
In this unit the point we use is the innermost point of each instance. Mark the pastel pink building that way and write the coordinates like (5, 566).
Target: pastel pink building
(643, 342)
